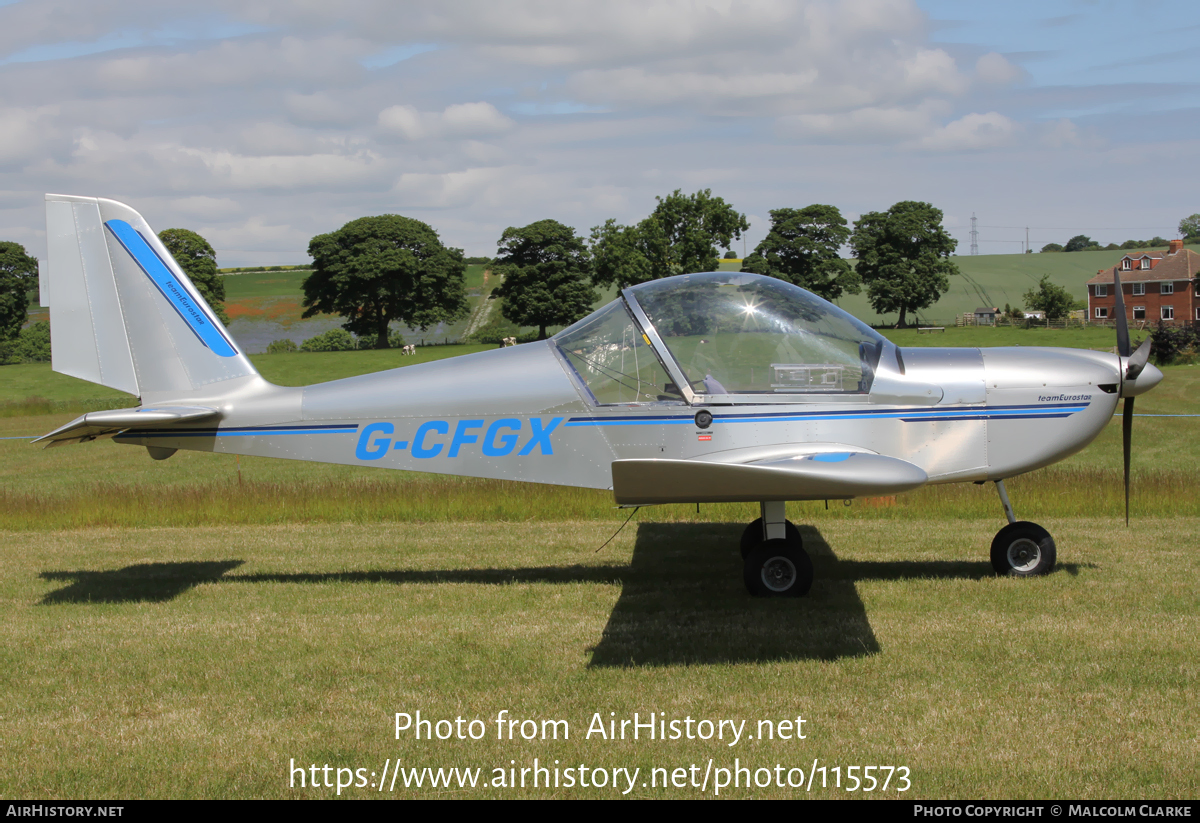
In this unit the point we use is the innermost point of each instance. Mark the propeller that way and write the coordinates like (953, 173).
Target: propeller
(1135, 363)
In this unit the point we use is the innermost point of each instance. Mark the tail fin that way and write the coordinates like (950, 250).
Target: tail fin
(122, 313)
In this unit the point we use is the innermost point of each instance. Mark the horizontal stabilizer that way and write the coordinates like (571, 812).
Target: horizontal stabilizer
(815, 476)
(107, 423)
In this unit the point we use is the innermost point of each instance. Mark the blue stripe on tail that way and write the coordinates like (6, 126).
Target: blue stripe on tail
(181, 300)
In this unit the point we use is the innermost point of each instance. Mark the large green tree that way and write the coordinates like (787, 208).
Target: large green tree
(376, 270)
(1054, 300)
(802, 248)
(545, 269)
(1189, 227)
(18, 274)
(903, 257)
(199, 262)
(684, 233)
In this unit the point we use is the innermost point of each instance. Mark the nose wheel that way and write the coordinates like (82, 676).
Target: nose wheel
(1021, 549)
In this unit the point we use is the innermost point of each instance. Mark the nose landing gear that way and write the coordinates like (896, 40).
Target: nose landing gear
(1021, 549)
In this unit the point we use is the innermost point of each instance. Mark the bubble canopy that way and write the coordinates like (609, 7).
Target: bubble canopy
(721, 337)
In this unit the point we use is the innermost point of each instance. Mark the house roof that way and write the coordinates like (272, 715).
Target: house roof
(1182, 265)
(986, 310)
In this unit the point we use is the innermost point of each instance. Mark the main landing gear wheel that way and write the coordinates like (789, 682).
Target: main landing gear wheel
(1023, 549)
(778, 568)
(753, 535)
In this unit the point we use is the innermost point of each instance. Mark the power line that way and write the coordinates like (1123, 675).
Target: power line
(1072, 228)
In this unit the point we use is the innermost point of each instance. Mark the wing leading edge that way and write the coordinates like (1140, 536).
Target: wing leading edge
(813, 476)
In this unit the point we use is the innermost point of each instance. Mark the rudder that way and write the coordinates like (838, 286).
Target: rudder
(122, 313)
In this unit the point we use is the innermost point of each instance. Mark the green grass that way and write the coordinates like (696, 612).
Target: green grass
(201, 662)
(35, 388)
(305, 368)
(264, 284)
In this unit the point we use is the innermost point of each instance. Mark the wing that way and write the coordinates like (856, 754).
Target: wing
(107, 423)
(818, 472)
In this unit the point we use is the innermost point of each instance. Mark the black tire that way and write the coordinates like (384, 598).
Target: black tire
(1023, 549)
(778, 568)
(752, 536)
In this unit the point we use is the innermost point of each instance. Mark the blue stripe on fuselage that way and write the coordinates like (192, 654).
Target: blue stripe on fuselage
(904, 415)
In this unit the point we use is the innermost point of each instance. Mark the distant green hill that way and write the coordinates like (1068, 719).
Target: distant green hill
(266, 305)
(996, 279)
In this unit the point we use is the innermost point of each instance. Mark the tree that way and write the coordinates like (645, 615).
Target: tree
(1080, 242)
(802, 248)
(18, 274)
(682, 234)
(1189, 227)
(33, 344)
(199, 262)
(376, 270)
(1051, 247)
(545, 269)
(1054, 300)
(903, 257)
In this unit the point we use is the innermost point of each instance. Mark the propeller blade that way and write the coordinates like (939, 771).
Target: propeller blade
(1122, 323)
(1126, 436)
(1138, 360)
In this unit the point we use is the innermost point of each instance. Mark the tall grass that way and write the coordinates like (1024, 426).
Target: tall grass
(42, 405)
(1053, 492)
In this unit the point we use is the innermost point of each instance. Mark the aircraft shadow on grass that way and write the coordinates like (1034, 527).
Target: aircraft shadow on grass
(144, 582)
(682, 600)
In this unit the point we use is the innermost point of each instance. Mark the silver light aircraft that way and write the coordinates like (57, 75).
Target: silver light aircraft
(699, 388)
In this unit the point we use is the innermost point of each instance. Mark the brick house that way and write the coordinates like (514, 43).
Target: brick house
(1156, 286)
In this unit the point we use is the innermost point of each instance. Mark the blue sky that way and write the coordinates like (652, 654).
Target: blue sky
(261, 124)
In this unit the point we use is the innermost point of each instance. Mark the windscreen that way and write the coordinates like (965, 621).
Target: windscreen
(735, 333)
(613, 360)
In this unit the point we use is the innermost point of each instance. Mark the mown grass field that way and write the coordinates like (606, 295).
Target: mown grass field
(169, 631)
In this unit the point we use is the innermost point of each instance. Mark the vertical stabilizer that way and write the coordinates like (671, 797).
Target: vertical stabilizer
(122, 313)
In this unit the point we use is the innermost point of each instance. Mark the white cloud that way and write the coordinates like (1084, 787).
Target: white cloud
(451, 190)
(290, 172)
(993, 68)
(23, 133)
(1061, 134)
(462, 120)
(971, 133)
(206, 208)
(319, 108)
(932, 71)
(865, 125)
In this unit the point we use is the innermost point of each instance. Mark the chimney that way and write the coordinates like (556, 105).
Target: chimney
(1174, 246)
